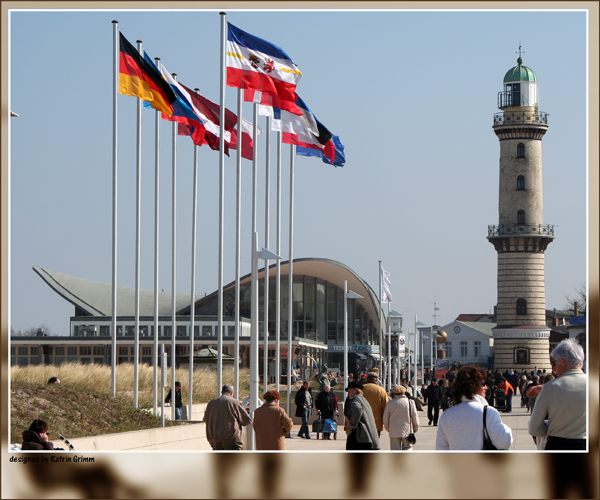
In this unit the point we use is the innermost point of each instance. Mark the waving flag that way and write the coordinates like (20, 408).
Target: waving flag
(184, 112)
(291, 124)
(254, 63)
(269, 101)
(210, 112)
(386, 295)
(139, 79)
(309, 134)
(332, 152)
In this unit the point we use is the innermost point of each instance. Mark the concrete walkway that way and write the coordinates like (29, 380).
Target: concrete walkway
(517, 420)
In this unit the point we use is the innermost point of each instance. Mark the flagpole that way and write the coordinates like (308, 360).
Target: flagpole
(173, 265)
(156, 225)
(291, 280)
(266, 292)
(398, 367)
(193, 289)
(138, 212)
(221, 205)
(238, 238)
(113, 346)
(389, 349)
(278, 269)
(254, 376)
(415, 354)
(380, 320)
(255, 291)
(345, 334)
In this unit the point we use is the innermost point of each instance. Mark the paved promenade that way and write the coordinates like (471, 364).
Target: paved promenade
(517, 420)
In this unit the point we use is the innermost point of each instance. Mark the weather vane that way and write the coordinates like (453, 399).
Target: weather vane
(520, 51)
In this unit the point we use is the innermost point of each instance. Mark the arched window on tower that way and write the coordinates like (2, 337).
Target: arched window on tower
(521, 306)
(521, 217)
(521, 183)
(520, 150)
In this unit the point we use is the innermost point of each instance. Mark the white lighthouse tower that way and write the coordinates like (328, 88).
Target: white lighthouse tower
(521, 337)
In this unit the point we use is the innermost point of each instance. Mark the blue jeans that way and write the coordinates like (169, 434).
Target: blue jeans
(177, 413)
(304, 431)
(509, 397)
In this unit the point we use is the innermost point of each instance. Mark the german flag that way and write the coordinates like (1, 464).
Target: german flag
(140, 79)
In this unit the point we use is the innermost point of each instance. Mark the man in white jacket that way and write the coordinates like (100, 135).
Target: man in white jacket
(461, 426)
(560, 407)
(400, 419)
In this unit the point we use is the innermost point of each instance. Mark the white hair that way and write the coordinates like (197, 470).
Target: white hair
(570, 350)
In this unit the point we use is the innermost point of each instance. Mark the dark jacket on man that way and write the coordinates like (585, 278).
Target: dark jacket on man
(433, 395)
(325, 403)
(178, 403)
(300, 400)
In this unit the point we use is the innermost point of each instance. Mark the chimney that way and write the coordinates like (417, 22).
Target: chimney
(576, 308)
(556, 321)
(495, 310)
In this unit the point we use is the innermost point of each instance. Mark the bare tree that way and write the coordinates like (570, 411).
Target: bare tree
(580, 298)
(30, 332)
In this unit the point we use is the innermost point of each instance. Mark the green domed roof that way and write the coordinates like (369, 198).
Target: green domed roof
(520, 73)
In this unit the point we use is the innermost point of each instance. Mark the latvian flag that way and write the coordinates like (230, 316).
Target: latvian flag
(254, 63)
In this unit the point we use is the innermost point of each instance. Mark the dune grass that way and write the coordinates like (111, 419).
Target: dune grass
(97, 378)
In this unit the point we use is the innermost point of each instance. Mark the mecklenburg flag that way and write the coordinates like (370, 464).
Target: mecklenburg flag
(254, 63)
(140, 79)
(269, 101)
(210, 112)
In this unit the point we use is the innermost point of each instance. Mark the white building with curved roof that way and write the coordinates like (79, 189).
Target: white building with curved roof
(318, 323)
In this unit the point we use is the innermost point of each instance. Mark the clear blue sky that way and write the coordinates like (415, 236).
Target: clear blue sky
(411, 94)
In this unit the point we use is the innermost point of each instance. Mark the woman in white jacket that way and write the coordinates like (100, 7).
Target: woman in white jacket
(461, 426)
(398, 415)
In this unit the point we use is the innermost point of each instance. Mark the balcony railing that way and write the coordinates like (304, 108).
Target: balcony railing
(521, 230)
(520, 118)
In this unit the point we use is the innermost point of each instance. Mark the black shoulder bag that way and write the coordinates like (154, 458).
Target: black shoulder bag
(487, 442)
(412, 439)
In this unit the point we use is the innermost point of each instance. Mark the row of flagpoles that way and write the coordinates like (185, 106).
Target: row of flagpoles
(264, 75)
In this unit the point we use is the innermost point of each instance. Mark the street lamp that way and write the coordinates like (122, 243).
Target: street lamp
(347, 295)
(417, 325)
(395, 320)
(254, 378)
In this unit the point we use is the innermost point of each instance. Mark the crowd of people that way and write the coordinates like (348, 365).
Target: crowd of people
(469, 397)
(465, 404)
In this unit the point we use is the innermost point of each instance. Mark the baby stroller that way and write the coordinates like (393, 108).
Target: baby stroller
(500, 397)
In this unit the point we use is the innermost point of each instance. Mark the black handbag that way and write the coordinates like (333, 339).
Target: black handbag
(487, 442)
(412, 439)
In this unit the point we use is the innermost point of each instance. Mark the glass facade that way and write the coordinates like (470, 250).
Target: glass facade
(317, 311)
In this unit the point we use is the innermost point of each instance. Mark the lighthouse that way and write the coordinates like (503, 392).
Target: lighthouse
(521, 336)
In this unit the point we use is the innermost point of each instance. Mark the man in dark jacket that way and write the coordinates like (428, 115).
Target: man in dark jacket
(304, 404)
(36, 438)
(178, 404)
(433, 397)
